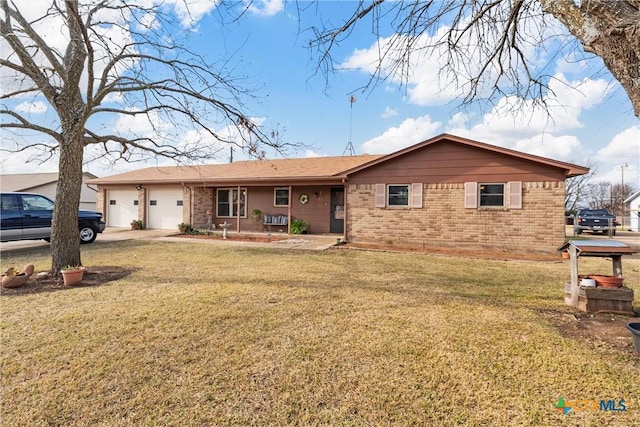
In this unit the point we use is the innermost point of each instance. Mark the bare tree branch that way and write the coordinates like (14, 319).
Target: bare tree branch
(487, 44)
(121, 59)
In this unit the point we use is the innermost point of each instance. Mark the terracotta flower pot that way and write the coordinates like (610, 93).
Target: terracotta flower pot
(73, 277)
(607, 281)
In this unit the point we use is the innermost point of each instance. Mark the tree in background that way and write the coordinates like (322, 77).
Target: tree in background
(605, 195)
(577, 190)
(91, 61)
(489, 46)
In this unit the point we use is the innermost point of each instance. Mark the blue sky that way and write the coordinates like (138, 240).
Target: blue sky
(595, 123)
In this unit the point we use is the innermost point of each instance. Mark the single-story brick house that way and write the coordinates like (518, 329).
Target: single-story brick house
(445, 191)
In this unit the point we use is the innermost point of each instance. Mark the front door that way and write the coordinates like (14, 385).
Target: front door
(337, 210)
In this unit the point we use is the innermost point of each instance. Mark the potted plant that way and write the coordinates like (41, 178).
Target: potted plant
(183, 227)
(72, 274)
(299, 226)
(136, 224)
(256, 215)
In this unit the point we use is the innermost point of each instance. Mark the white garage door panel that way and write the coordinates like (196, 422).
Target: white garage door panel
(121, 208)
(165, 208)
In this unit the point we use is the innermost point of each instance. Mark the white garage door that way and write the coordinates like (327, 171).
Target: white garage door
(122, 207)
(165, 208)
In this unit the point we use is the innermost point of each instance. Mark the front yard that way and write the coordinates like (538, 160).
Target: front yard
(203, 335)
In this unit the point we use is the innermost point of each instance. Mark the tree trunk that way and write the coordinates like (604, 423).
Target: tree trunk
(609, 29)
(65, 238)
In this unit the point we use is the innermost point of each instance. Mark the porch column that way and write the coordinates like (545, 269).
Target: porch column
(238, 209)
(289, 210)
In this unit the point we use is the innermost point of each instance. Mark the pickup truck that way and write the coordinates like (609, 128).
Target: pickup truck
(27, 216)
(595, 220)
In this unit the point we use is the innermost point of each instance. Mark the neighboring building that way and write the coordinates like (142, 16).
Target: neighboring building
(46, 184)
(446, 191)
(634, 211)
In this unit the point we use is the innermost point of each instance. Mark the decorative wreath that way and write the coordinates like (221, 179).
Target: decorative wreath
(303, 199)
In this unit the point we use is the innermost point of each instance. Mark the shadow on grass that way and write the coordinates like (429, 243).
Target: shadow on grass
(93, 276)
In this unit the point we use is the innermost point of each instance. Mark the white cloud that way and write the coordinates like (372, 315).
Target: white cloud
(311, 153)
(389, 112)
(266, 7)
(26, 162)
(36, 107)
(561, 147)
(189, 12)
(426, 83)
(409, 132)
(624, 146)
(513, 119)
(621, 156)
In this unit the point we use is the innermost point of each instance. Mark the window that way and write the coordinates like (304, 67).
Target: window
(484, 195)
(281, 197)
(398, 195)
(179, 203)
(153, 203)
(112, 202)
(228, 202)
(491, 195)
(9, 202)
(36, 203)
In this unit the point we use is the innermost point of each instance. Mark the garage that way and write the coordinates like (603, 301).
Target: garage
(165, 208)
(122, 207)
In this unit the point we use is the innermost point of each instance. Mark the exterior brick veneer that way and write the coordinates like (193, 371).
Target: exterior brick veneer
(444, 221)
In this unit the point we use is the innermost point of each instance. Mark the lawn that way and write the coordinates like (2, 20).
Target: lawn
(206, 335)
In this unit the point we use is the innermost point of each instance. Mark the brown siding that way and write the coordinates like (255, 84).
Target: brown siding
(447, 162)
(444, 221)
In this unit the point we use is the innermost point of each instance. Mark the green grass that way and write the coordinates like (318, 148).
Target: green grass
(203, 335)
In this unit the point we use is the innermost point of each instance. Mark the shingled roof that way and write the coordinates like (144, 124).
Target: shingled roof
(312, 169)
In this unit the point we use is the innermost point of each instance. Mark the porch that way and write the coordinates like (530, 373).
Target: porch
(253, 209)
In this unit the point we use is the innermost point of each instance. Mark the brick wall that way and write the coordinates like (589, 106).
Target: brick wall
(444, 221)
(199, 199)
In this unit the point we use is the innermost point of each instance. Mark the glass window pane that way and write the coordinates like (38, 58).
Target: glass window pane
(282, 197)
(398, 195)
(492, 195)
(39, 203)
(223, 203)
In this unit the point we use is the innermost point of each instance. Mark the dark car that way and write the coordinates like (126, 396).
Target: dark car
(595, 220)
(27, 216)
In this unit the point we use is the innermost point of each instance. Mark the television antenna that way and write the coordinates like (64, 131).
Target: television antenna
(349, 148)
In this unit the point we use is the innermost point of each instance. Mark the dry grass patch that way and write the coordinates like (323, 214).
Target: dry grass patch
(203, 336)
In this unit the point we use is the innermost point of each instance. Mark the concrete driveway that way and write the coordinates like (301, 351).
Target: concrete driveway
(110, 234)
